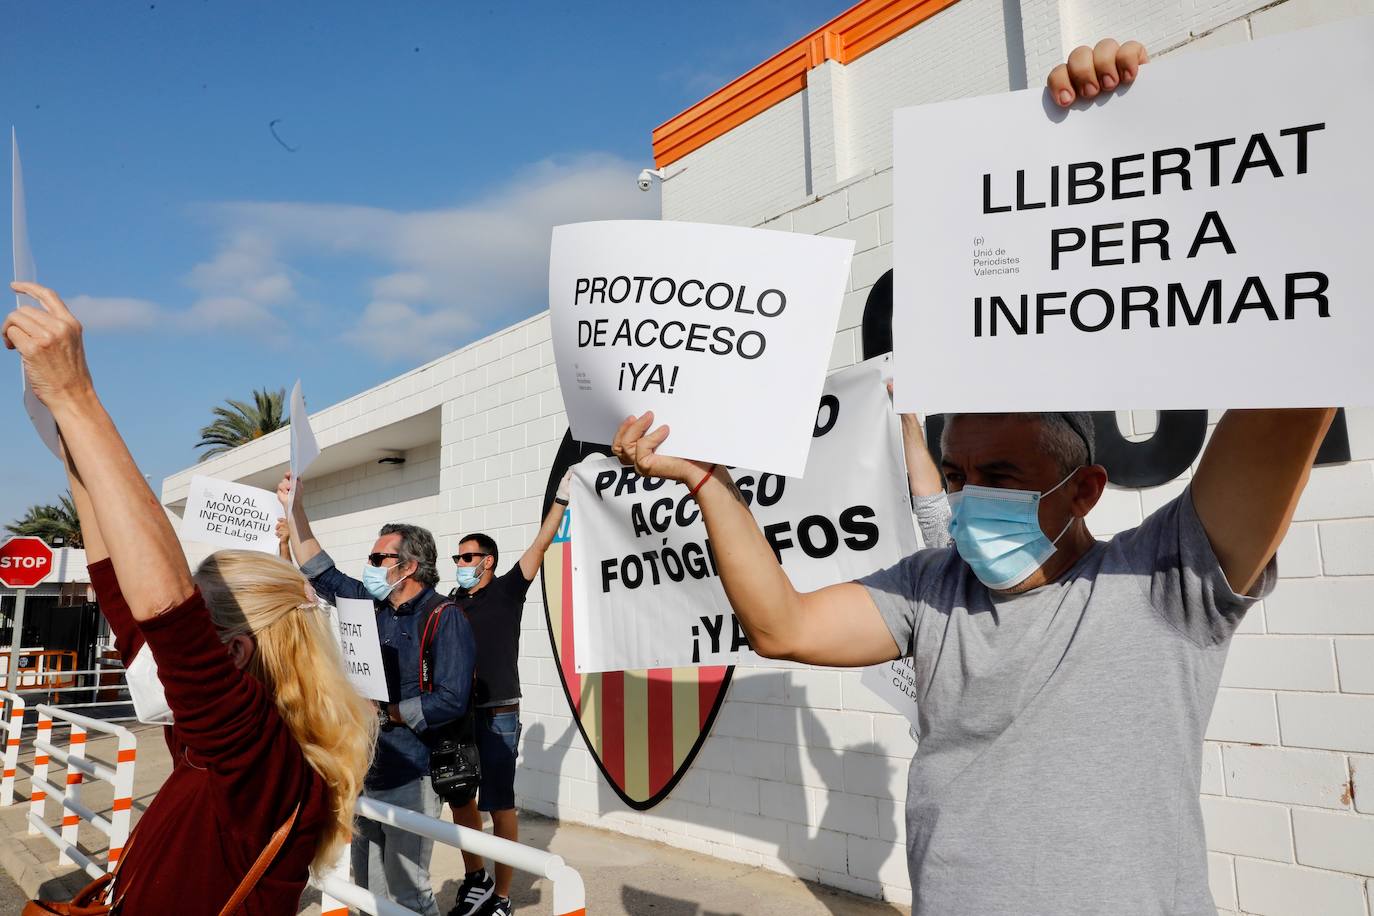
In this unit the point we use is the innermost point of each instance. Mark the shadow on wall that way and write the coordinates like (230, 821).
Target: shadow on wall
(817, 830)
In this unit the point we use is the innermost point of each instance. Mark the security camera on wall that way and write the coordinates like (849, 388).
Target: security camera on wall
(647, 176)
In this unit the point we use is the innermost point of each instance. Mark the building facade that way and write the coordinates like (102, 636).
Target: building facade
(804, 769)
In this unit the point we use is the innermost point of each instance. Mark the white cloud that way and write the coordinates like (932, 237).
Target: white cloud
(115, 313)
(233, 313)
(437, 276)
(460, 269)
(394, 330)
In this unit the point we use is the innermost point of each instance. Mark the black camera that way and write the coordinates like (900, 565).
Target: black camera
(454, 769)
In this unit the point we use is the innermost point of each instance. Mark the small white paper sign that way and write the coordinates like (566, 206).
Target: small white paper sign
(895, 682)
(25, 271)
(232, 515)
(304, 448)
(361, 648)
(723, 332)
(1197, 240)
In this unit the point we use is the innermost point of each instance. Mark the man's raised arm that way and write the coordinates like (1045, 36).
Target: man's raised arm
(304, 545)
(838, 625)
(548, 530)
(1248, 484)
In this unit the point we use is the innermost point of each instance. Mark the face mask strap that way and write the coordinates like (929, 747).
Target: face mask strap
(1072, 518)
(1064, 481)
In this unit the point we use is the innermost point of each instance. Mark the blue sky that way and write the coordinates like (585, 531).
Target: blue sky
(435, 144)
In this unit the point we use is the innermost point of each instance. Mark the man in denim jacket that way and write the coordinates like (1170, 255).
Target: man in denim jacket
(399, 577)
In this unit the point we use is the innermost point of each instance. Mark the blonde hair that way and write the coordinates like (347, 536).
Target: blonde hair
(298, 660)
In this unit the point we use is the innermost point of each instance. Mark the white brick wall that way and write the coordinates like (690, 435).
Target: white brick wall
(805, 770)
(925, 65)
(1291, 740)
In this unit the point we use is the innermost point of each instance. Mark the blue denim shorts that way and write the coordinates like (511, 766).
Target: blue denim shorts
(498, 744)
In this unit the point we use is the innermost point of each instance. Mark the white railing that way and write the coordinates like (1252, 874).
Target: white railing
(569, 894)
(14, 729)
(97, 673)
(78, 768)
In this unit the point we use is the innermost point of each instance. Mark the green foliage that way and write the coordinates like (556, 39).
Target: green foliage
(237, 422)
(51, 523)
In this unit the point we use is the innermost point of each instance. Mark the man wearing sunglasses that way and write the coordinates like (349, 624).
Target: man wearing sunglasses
(399, 576)
(493, 605)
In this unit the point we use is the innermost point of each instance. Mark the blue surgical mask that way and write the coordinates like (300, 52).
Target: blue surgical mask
(468, 576)
(997, 532)
(374, 580)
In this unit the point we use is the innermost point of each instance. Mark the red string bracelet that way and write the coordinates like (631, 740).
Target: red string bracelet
(709, 473)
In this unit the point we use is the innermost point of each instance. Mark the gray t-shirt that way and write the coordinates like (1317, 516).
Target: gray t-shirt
(1061, 730)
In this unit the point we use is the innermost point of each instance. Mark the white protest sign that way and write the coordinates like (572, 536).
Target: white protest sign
(645, 588)
(361, 647)
(304, 448)
(723, 332)
(1198, 240)
(26, 271)
(895, 683)
(233, 515)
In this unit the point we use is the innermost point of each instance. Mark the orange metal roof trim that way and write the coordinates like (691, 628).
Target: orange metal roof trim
(847, 37)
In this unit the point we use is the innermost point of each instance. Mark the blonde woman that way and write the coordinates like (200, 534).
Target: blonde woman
(269, 739)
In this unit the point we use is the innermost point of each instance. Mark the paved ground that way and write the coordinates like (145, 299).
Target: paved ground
(11, 897)
(623, 875)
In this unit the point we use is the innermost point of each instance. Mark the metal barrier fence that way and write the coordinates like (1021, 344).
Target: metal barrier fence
(15, 705)
(68, 682)
(338, 892)
(569, 895)
(78, 768)
(14, 728)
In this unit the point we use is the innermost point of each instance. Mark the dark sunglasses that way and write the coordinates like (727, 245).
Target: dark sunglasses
(376, 558)
(468, 557)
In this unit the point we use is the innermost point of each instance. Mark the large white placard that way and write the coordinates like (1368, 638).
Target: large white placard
(228, 514)
(723, 332)
(26, 271)
(1197, 240)
(645, 590)
(304, 448)
(361, 647)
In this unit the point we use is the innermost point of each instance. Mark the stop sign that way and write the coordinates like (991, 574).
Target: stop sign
(24, 562)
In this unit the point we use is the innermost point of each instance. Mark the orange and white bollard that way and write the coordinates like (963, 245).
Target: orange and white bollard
(71, 821)
(14, 729)
(569, 894)
(122, 806)
(37, 794)
(331, 906)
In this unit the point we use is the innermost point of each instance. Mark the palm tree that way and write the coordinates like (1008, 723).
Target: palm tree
(51, 523)
(239, 422)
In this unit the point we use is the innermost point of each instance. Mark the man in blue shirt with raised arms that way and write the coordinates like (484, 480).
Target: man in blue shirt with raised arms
(399, 578)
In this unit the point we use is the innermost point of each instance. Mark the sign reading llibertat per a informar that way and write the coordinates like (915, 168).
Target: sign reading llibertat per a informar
(1199, 239)
(723, 332)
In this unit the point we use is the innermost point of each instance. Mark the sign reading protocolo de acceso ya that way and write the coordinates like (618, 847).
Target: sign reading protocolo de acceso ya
(723, 332)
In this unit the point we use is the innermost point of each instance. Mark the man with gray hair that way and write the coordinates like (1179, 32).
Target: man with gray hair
(399, 578)
(1068, 437)
(1063, 683)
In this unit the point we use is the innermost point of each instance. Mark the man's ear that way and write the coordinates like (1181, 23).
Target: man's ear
(1088, 487)
(241, 649)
